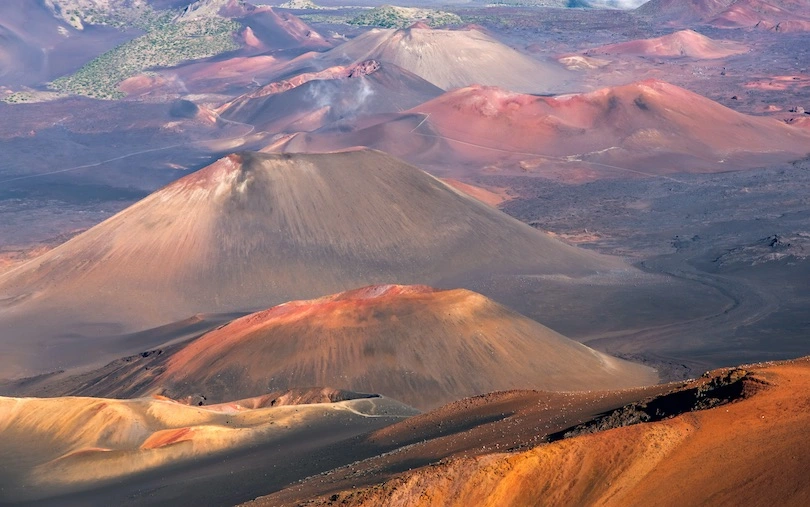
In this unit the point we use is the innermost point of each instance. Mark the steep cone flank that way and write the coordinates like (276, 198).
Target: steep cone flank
(254, 230)
(54, 446)
(411, 343)
(683, 43)
(452, 58)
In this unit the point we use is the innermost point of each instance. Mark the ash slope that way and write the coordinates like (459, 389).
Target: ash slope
(253, 230)
(411, 343)
(311, 100)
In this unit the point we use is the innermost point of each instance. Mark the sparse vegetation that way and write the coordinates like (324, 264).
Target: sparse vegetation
(166, 45)
(391, 16)
(31, 96)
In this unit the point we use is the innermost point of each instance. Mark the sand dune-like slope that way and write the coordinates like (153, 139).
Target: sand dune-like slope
(744, 452)
(686, 43)
(53, 446)
(645, 128)
(449, 59)
(253, 230)
(309, 101)
(412, 343)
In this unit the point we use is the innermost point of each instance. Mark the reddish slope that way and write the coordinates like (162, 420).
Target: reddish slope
(686, 43)
(747, 452)
(412, 343)
(638, 118)
(649, 127)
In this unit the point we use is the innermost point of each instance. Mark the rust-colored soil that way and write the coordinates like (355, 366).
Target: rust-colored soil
(491, 196)
(412, 343)
(686, 43)
(742, 452)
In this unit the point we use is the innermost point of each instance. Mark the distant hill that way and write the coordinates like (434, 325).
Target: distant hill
(446, 58)
(648, 128)
(793, 14)
(684, 43)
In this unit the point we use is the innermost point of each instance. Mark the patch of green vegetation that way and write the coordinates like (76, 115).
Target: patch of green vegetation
(165, 45)
(391, 16)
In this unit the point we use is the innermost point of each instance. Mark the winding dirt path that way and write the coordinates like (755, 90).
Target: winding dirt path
(745, 305)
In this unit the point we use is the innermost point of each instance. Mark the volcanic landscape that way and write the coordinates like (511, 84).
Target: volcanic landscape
(425, 254)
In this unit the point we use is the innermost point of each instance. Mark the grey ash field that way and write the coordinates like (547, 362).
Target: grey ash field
(323, 254)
